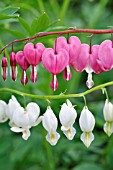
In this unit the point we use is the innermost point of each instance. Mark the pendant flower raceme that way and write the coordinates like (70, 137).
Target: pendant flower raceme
(67, 118)
(108, 116)
(87, 123)
(50, 123)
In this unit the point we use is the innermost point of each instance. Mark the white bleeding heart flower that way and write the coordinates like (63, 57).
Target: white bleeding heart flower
(50, 123)
(3, 107)
(108, 116)
(24, 119)
(67, 118)
(87, 123)
(11, 107)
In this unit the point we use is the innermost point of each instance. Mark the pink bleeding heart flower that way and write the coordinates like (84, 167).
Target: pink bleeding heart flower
(21, 60)
(105, 55)
(72, 46)
(33, 54)
(80, 63)
(4, 67)
(55, 63)
(87, 60)
(13, 69)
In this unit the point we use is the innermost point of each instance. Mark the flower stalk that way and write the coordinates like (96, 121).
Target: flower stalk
(69, 31)
(60, 96)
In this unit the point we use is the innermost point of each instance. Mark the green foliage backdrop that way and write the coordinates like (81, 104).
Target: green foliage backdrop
(19, 19)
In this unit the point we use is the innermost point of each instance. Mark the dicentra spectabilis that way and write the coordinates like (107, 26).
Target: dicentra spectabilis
(108, 116)
(4, 67)
(87, 123)
(67, 118)
(13, 69)
(11, 107)
(24, 119)
(55, 63)
(23, 63)
(72, 46)
(3, 116)
(50, 123)
(33, 54)
(106, 55)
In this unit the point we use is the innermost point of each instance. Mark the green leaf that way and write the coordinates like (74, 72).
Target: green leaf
(40, 24)
(87, 166)
(9, 10)
(4, 16)
(13, 32)
(25, 25)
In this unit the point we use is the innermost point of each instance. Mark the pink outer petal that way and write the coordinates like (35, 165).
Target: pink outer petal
(12, 59)
(61, 43)
(55, 63)
(93, 59)
(105, 54)
(33, 53)
(74, 48)
(83, 58)
(21, 60)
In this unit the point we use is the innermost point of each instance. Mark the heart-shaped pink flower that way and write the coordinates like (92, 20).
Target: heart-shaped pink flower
(22, 62)
(33, 54)
(105, 55)
(55, 62)
(72, 46)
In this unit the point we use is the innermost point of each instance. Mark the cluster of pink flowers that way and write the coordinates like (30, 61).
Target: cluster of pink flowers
(65, 53)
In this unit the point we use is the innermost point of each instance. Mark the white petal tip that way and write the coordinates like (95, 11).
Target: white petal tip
(87, 138)
(53, 138)
(70, 133)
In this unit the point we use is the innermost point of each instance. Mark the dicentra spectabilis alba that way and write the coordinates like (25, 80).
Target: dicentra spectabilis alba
(87, 123)
(24, 119)
(67, 118)
(3, 107)
(11, 107)
(108, 116)
(50, 123)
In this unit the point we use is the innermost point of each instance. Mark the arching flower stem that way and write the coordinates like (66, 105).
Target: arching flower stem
(68, 31)
(60, 96)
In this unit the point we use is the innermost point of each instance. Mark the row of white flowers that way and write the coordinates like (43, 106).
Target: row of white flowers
(22, 119)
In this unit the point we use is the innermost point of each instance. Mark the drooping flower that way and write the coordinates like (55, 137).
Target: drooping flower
(50, 123)
(55, 63)
(72, 46)
(21, 60)
(13, 69)
(67, 118)
(33, 54)
(3, 116)
(87, 123)
(105, 54)
(108, 116)
(11, 107)
(4, 68)
(24, 119)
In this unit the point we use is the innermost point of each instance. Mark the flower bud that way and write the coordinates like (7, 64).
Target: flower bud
(4, 67)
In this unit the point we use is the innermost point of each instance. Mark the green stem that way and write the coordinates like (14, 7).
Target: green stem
(60, 96)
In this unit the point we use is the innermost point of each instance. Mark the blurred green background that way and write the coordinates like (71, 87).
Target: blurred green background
(20, 19)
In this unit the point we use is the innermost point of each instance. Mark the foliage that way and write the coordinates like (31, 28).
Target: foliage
(20, 19)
